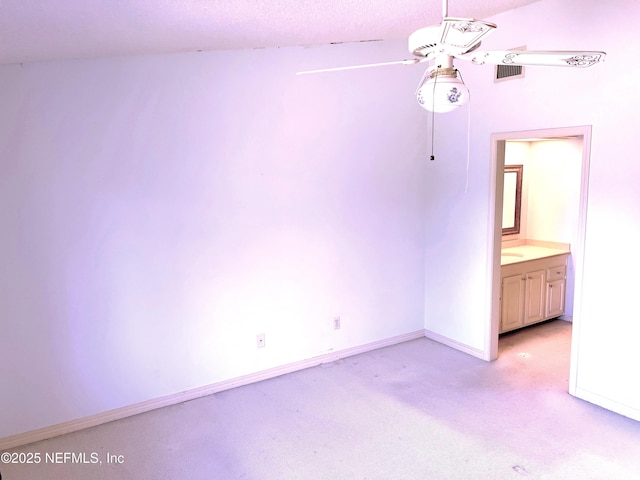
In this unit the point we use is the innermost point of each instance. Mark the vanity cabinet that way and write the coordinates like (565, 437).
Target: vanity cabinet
(532, 291)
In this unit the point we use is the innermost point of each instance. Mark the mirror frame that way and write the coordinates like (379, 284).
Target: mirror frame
(517, 169)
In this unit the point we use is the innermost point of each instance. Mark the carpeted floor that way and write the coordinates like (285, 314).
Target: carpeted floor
(418, 410)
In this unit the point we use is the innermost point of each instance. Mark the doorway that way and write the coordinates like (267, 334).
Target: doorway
(499, 144)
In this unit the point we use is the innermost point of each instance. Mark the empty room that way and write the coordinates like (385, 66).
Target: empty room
(226, 253)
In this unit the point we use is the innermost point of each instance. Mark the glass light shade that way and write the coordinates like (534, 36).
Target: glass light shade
(443, 93)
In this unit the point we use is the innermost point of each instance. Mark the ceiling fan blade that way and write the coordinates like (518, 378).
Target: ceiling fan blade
(532, 57)
(410, 61)
(462, 34)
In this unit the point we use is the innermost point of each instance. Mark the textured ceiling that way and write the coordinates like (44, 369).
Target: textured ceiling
(36, 30)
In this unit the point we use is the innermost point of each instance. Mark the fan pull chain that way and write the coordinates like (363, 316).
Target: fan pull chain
(433, 121)
(433, 116)
(466, 185)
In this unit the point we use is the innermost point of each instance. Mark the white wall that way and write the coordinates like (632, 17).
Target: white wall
(550, 188)
(552, 172)
(603, 96)
(159, 212)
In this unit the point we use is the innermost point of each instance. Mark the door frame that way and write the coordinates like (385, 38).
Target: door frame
(498, 143)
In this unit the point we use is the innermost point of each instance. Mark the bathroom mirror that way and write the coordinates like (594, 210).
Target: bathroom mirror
(512, 198)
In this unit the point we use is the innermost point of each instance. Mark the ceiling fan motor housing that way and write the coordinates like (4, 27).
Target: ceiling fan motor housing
(424, 41)
(455, 36)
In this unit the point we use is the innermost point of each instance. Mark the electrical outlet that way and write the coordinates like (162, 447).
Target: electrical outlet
(336, 323)
(260, 340)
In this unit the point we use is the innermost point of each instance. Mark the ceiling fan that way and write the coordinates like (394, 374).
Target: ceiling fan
(441, 88)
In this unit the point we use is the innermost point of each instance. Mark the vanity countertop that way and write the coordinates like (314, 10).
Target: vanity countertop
(524, 253)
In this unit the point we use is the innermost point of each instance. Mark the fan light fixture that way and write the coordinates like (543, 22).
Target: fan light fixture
(444, 91)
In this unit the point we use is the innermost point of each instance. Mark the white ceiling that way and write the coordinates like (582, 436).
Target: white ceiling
(36, 30)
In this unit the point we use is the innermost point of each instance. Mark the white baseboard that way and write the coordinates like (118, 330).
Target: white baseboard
(180, 397)
(607, 403)
(454, 344)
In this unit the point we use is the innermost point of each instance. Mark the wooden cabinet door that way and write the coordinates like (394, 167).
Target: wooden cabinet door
(555, 298)
(534, 296)
(512, 307)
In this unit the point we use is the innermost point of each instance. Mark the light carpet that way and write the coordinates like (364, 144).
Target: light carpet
(418, 410)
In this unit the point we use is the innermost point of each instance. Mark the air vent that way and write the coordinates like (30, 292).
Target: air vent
(509, 72)
(506, 71)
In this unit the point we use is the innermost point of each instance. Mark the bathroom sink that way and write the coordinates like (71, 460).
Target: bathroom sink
(511, 254)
